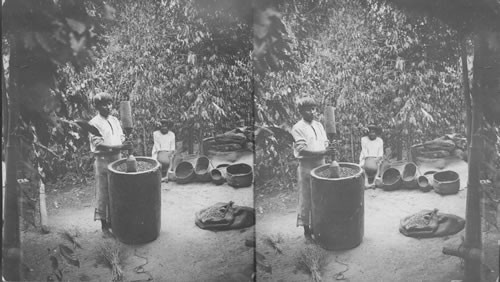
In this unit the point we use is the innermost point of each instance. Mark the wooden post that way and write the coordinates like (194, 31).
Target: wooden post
(43, 209)
(472, 269)
(466, 88)
(11, 252)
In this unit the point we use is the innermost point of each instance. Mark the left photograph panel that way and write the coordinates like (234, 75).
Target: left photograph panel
(127, 140)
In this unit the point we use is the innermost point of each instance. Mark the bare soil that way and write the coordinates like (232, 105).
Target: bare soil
(384, 254)
(182, 252)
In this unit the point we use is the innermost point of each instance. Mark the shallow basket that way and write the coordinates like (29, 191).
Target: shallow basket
(202, 169)
(409, 176)
(239, 175)
(184, 173)
(446, 182)
(391, 179)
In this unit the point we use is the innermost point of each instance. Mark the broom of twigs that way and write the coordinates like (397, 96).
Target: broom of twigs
(111, 252)
(313, 258)
(275, 241)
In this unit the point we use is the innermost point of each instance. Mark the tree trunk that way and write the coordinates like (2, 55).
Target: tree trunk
(483, 83)
(190, 140)
(466, 88)
(5, 107)
(11, 252)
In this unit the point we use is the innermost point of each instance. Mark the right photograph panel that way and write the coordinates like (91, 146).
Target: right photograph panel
(377, 140)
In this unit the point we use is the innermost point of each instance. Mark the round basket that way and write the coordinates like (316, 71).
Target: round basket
(222, 168)
(391, 179)
(184, 173)
(423, 184)
(430, 176)
(370, 165)
(217, 177)
(239, 175)
(446, 182)
(164, 157)
(202, 169)
(409, 176)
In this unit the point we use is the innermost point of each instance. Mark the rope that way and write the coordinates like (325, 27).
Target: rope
(340, 275)
(140, 269)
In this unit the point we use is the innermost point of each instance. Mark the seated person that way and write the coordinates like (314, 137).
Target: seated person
(164, 145)
(372, 152)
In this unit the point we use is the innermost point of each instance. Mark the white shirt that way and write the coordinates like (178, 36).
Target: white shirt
(110, 129)
(371, 148)
(162, 142)
(308, 136)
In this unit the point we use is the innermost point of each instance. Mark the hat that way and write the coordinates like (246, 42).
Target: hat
(101, 97)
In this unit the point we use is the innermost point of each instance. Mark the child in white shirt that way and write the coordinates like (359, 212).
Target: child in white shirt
(164, 145)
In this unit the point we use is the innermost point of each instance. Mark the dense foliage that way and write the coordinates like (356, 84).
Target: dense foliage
(185, 61)
(374, 64)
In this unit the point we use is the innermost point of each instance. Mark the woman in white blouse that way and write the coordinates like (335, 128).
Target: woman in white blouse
(164, 145)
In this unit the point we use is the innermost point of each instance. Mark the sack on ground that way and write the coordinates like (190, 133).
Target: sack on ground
(225, 216)
(427, 224)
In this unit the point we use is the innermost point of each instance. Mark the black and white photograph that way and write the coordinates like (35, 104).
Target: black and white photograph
(263, 140)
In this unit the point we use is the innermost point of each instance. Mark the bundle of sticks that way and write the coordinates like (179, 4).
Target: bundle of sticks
(111, 251)
(313, 258)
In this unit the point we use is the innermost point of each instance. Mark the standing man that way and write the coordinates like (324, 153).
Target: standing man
(106, 149)
(372, 152)
(310, 147)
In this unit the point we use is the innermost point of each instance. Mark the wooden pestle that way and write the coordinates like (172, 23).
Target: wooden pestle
(127, 123)
(331, 130)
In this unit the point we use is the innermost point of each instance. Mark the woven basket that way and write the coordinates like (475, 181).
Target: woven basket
(409, 176)
(446, 182)
(391, 179)
(165, 157)
(217, 177)
(239, 175)
(430, 176)
(370, 166)
(424, 184)
(202, 169)
(184, 173)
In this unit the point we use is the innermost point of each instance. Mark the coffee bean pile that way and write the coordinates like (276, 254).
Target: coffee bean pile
(213, 214)
(343, 172)
(141, 166)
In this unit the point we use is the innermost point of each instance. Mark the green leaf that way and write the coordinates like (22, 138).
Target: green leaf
(76, 26)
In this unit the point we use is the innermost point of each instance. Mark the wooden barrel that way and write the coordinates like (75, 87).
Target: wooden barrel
(135, 202)
(338, 208)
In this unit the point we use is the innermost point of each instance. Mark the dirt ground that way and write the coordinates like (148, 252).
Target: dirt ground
(182, 252)
(384, 254)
